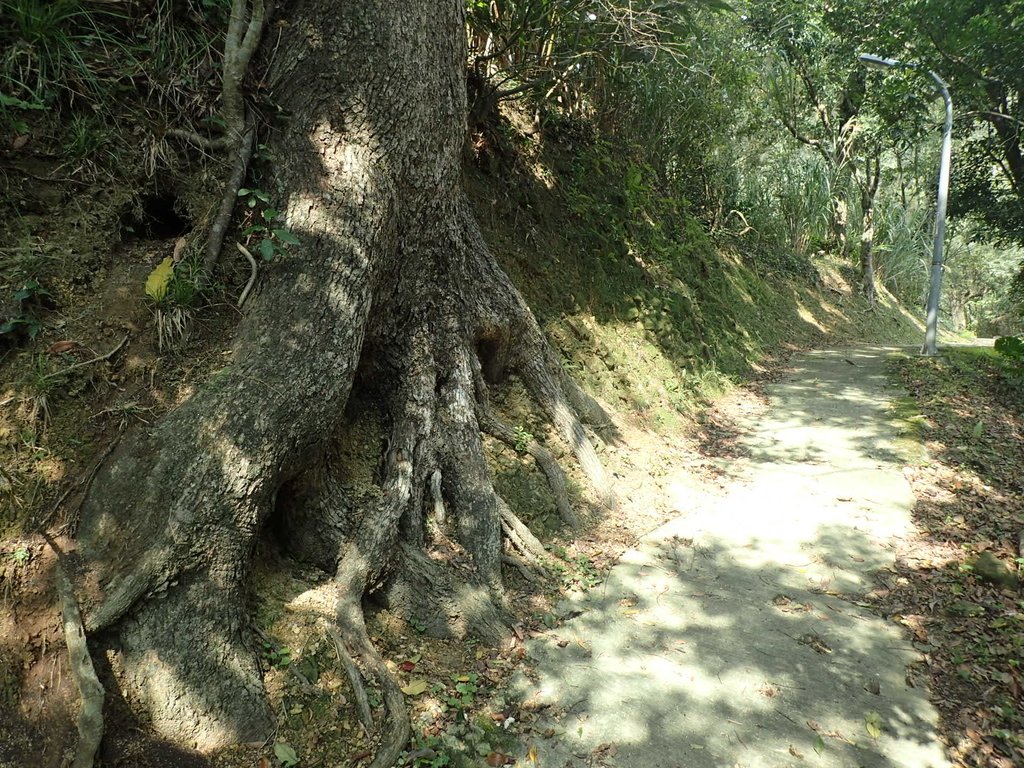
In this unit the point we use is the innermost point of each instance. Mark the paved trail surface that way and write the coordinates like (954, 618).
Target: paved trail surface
(722, 640)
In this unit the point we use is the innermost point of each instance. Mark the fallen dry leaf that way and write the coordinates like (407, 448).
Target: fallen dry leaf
(59, 347)
(415, 687)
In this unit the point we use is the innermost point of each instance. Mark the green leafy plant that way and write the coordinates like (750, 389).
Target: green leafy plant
(28, 299)
(523, 439)
(21, 555)
(1011, 347)
(40, 386)
(263, 224)
(9, 105)
(277, 656)
(465, 691)
(175, 290)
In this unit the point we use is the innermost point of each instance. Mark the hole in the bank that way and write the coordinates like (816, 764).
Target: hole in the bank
(492, 363)
(158, 217)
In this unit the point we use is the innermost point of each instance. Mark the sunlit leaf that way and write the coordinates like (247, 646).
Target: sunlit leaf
(159, 279)
(415, 687)
(873, 724)
(286, 237)
(819, 744)
(286, 754)
(267, 249)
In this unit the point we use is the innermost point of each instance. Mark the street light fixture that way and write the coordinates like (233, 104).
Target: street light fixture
(932, 312)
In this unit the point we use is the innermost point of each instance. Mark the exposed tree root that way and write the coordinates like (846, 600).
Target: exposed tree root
(395, 735)
(122, 594)
(90, 690)
(398, 294)
(554, 474)
(549, 394)
(520, 536)
(253, 269)
(356, 680)
(441, 597)
(245, 28)
(353, 573)
(229, 198)
(432, 401)
(440, 513)
(522, 566)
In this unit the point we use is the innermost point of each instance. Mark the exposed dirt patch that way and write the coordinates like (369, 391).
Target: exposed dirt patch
(38, 699)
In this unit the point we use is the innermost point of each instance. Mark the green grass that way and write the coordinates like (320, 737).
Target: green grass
(651, 313)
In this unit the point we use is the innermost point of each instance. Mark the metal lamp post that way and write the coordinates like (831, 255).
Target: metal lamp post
(932, 311)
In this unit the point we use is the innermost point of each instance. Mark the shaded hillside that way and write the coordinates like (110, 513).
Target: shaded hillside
(651, 311)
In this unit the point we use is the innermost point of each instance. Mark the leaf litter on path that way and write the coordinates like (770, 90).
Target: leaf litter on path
(970, 501)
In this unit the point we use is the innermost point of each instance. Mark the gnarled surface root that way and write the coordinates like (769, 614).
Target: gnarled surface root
(498, 429)
(90, 690)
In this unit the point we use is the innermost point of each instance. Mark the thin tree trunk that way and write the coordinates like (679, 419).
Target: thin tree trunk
(869, 190)
(867, 258)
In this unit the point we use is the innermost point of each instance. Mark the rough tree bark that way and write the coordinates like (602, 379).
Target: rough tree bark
(393, 289)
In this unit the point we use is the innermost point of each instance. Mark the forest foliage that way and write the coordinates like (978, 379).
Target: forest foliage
(760, 116)
(757, 115)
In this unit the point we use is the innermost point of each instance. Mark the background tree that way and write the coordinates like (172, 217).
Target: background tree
(817, 94)
(979, 48)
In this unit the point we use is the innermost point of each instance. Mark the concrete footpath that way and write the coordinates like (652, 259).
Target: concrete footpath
(722, 639)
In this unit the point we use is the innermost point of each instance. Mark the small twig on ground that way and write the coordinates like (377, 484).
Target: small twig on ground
(98, 359)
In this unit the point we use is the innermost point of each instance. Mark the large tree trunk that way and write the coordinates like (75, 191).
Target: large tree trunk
(392, 280)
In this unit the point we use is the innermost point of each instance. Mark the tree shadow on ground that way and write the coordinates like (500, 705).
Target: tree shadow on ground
(969, 500)
(692, 657)
(723, 638)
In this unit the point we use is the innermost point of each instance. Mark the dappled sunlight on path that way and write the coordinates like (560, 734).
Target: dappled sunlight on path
(722, 640)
